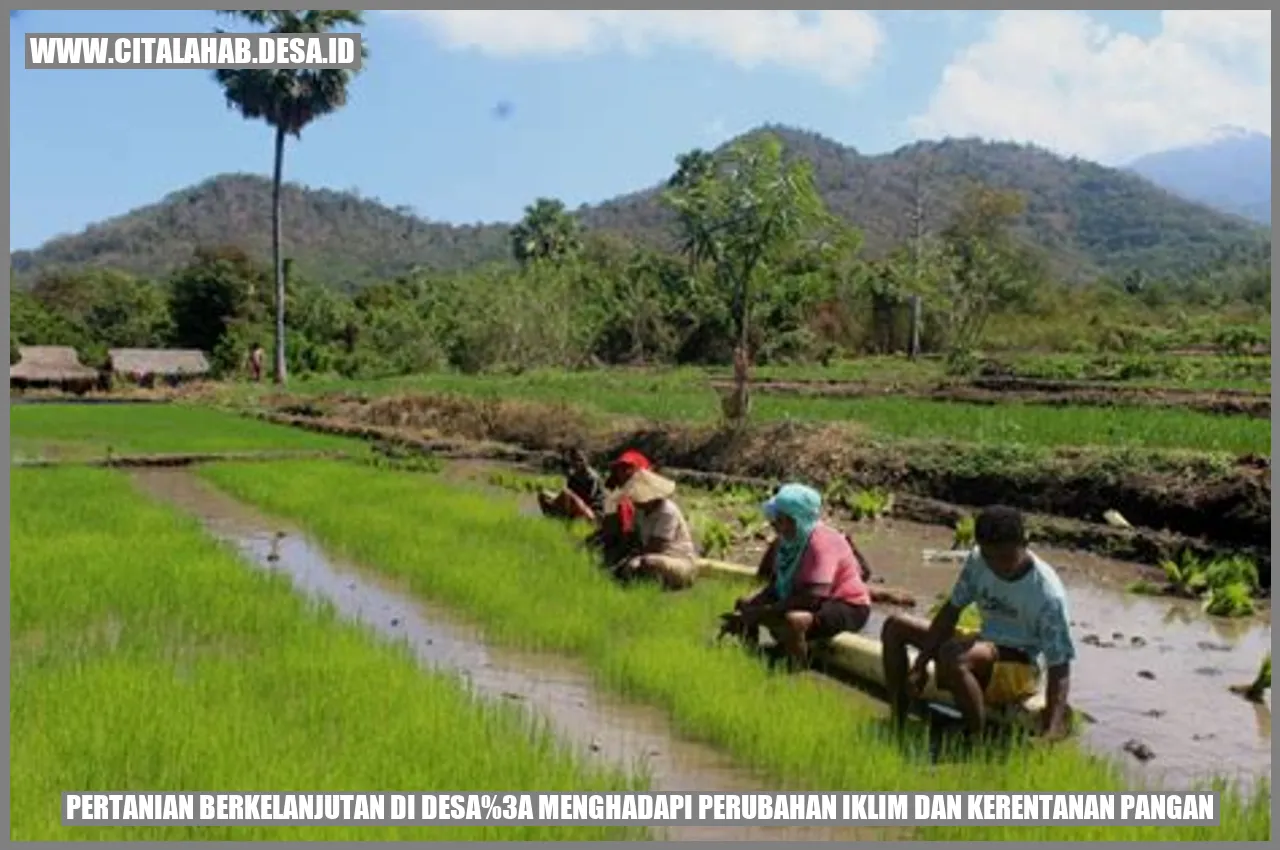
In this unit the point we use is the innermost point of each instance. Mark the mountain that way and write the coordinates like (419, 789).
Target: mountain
(1089, 219)
(1230, 172)
(335, 237)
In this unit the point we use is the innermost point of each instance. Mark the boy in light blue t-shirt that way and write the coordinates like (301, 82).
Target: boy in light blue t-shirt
(1025, 618)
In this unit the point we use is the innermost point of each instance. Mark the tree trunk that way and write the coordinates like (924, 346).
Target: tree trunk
(742, 356)
(913, 350)
(277, 257)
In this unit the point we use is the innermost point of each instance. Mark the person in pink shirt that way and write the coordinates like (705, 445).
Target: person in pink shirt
(817, 589)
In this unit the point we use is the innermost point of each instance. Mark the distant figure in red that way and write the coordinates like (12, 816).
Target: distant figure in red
(255, 362)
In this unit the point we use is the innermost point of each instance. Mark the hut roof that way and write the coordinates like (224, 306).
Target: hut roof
(158, 361)
(49, 363)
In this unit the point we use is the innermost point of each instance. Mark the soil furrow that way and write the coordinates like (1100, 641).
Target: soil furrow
(1173, 501)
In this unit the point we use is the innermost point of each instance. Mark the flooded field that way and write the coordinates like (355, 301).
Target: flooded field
(554, 691)
(1152, 671)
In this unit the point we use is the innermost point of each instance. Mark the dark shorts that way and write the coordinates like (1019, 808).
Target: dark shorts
(1009, 655)
(835, 616)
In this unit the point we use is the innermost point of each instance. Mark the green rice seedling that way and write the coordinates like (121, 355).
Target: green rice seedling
(1255, 691)
(1235, 570)
(839, 492)
(406, 463)
(756, 529)
(863, 504)
(524, 483)
(144, 656)
(1224, 585)
(871, 504)
(1145, 587)
(732, 495)
(1233, 600)
(481, 557)
(89, 430)
(1187, 576)
(716, 537)
(963, 538)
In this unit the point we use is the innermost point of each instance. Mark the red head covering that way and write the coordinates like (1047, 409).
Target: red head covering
(633, 459)
(623, 468)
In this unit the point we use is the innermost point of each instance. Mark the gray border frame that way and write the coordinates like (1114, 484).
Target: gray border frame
(4, 801)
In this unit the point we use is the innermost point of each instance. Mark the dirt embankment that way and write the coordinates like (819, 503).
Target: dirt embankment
(1172, 500)
(1002, 390)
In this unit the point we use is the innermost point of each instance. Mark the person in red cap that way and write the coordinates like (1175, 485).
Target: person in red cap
(618, 535)
(620, 472)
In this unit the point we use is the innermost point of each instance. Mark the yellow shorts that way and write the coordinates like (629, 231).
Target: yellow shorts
(1012, 682)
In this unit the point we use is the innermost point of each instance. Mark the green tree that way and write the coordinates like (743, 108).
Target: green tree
(692, 169)
(216, 302)
(982, 267)
(743, 214)
(288, 99)
(93, 309)
(547, 232)
(32, 322)
(129, 313)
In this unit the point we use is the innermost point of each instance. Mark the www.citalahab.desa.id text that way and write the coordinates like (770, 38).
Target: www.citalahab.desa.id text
(328, 50)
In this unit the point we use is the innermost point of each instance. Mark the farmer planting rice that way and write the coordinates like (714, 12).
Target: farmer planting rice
(620, 471)
(617, 536)
(667, 551)
(1024, 615)
(816, 581)
(583, 493)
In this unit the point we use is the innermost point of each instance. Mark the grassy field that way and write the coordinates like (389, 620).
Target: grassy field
(71, 430)
(145, 657)
(526, 584)
(1198, 372)
(683, 396)
(1154, 370)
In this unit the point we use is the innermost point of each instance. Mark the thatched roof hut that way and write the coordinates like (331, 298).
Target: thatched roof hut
(49, 364)
(158, 362)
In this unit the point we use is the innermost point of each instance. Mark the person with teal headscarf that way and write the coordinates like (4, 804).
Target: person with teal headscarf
(816, 586)
(794, 512)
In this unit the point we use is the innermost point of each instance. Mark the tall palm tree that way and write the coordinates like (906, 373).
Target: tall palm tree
(288, 99)
(546, 232)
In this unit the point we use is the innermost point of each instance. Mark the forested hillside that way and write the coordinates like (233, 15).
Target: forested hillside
(1087, 219)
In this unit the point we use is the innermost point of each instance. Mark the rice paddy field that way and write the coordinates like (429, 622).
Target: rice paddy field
(70, 431)
(131, 626)
(685, 396)
(146, 657)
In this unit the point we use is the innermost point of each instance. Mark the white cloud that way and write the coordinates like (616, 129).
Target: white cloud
(835, 46)
(1063, 80)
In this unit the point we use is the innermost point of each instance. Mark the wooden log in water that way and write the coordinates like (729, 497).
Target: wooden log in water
(862, 658)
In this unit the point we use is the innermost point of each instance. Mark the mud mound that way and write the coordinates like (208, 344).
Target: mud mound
(545, 427)
(1003, 390)
(1194, 495)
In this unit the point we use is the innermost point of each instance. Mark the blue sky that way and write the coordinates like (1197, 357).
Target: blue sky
(603, 101)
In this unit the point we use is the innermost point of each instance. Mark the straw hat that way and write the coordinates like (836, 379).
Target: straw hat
(648, 486)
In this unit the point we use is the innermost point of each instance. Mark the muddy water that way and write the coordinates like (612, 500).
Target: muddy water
(602, 729)
(1152, 670)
